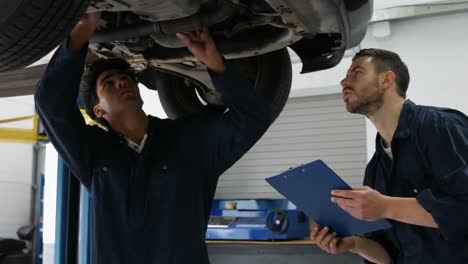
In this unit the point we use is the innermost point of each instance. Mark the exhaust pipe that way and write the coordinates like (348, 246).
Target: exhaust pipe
(164, 28)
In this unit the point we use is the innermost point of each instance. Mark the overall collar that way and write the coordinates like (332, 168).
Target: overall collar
(403, 129)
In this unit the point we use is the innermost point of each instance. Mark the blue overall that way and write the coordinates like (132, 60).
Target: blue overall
(430, 156)
(151, 207)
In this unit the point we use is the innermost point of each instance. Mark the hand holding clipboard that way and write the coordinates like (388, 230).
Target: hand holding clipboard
(309, 188)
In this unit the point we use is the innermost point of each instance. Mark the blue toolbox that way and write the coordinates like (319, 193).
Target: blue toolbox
(256, 220)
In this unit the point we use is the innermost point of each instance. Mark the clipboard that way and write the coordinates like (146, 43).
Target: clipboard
(309, 188)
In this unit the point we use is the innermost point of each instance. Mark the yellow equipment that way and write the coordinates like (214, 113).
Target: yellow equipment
(22, 135)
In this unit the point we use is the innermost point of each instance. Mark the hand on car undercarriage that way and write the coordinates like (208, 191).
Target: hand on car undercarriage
(202, 45)
(82, 32)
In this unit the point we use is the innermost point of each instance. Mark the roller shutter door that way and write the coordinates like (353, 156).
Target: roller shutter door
(309, 128)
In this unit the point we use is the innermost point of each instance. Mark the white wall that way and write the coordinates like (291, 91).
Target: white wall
(16, 169)
(379, 4)
(435, 50)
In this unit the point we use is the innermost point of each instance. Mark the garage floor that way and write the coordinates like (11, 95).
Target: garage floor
(277, 254)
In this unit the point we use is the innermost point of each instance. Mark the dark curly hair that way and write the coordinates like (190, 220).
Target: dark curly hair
(89, 90)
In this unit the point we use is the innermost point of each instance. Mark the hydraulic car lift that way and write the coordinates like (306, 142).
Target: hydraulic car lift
(20, 134)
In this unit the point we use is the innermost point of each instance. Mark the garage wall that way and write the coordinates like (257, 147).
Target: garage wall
(15, 187)
(16, 169)
(309, 128)
(435, 49)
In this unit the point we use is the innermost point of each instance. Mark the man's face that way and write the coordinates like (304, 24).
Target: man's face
(117, 93)
(361, 90)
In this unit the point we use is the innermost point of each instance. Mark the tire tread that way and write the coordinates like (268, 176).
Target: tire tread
(35, 29)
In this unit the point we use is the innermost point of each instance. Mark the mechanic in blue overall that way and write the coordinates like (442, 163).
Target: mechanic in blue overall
(151, 181)
(417, 178)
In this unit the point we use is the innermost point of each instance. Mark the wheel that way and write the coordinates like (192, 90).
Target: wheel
(30, 29)
(270, 73)
(277, 221)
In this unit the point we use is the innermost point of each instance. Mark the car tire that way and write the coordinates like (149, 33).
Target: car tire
(270, 73)
(30, 29)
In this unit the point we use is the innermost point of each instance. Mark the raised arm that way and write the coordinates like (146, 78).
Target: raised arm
(230, 135)
(56, 95)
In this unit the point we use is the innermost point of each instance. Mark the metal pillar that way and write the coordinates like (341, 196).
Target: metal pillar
(85, 203)
(67, 217)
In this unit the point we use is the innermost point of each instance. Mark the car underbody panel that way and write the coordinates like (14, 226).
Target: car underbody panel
(151, 10)
(143, 31)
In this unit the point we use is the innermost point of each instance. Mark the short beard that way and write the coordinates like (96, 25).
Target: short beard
(367, 104)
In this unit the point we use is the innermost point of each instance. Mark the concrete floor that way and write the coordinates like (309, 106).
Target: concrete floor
(275, 254)
(258, 254)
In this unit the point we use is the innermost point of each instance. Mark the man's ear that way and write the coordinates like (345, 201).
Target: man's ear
(98, 111)
(387, 79)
